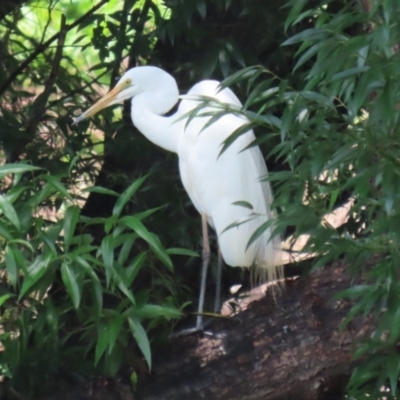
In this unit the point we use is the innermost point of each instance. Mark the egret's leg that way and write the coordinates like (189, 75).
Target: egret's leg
(217, 303)
(204, 267)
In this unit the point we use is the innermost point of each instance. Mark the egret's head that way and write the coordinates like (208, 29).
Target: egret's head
(146, 79)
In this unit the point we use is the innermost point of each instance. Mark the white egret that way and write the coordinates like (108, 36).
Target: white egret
(213, 181)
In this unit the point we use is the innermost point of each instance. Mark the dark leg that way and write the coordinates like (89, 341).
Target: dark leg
(204, 267)
(217, 304)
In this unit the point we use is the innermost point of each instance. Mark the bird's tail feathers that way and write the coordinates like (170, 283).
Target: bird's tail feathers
(269, 263)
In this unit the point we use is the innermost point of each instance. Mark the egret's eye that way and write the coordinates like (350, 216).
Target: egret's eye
(128, 82)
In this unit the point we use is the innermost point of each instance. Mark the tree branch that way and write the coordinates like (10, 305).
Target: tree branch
(39, 105)
(292, 347)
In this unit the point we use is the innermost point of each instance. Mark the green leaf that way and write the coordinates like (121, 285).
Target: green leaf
(154, 311)
(55, 182)
(15, 192)
(332, 200)
(107, 251)
(34, 272)
(349, 72)
(5, 297)
(109, 223)
(316, 34)
(235, 134)
(4, 231)
(108, 336)
(318, 98)
(393, 371)
(150, 238)
(70, 220)
(134, 381)
(182, 252)
(126, 248)
(127, 194)
(11, 265)
(308, 54)
(147, 213)
(120, 280)
(134, 267)
(9, 212)
(236, 224)
(201, 7)
(16, 169)
(295, 10)
(258, 232)
(24, 243)
(244, 204)
(141, 338)
(96, 285)
(101, 190)
(71, 281)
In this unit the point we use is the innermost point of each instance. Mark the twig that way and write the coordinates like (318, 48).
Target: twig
(139, 31)
(118, 49)
(39, 105)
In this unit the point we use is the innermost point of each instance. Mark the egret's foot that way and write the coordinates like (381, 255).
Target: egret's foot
(186, 332)
(199, 328)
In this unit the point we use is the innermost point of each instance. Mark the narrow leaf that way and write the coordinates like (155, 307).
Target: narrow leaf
(70, 220)
(128, 193)
(258, 232)
(142, 340)
(182, 252)
(11, 265)
(34, 272)
(101, 190)
(4, 298)
(244, 204)
(150, 238)
(55, 182)
(9, 212)
(107, 251)
(70, 279)
(16, 168)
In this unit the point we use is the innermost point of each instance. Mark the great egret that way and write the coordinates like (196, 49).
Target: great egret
(219, 185)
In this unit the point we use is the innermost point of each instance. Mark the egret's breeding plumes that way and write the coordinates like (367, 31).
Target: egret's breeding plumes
(219, 185)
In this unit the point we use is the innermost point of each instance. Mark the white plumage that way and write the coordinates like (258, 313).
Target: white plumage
(213, 181)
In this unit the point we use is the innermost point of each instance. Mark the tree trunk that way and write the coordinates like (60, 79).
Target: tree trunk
(292, 347)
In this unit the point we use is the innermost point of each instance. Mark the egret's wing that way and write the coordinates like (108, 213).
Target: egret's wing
(214, 182)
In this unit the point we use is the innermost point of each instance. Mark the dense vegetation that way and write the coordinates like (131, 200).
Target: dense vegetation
(96, 233)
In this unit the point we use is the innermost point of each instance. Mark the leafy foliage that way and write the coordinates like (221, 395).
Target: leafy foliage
(84, 269)
(338, 133)
(65, 296)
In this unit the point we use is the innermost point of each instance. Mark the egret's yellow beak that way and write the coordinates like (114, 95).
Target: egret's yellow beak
(104, 102)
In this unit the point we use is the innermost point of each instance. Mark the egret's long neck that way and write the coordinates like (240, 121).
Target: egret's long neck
(147, 116)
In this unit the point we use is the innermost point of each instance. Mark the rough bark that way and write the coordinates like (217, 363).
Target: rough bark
(289, 348)
(293, 348)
